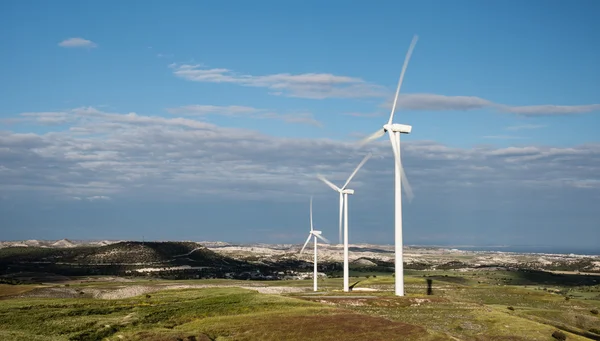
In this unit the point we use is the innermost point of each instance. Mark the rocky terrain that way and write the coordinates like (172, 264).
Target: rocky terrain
(415, 257)
(175, 260)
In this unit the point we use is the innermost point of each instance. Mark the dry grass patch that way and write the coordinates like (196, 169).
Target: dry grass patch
(307, 324)
(10, 290)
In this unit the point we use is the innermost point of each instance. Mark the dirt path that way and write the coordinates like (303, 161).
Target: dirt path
(137, 290)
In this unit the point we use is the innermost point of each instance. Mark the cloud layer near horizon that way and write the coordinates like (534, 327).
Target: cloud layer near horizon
(100, 155)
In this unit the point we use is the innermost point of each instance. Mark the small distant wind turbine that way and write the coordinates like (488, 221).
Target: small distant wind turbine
(394, 131)
(344, 213)
(316, 234)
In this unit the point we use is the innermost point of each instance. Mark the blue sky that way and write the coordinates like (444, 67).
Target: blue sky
(209, 120)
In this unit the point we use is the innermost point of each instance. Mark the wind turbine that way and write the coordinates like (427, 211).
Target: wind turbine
(344, 192)
(394, 131)
(316, 234)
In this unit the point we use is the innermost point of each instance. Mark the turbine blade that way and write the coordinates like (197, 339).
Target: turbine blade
(328, 183)
(398, 161)
(357, 168)
(323, 239)
(379, 133)
(341, 212)
(406, 60)
(307, 240)
(311, 222)
(406, 185)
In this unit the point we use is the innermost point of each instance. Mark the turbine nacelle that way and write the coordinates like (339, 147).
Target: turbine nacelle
(347, 191)
(396, 127)
(315, 232)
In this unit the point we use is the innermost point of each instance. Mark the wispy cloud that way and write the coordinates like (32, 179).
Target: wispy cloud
(439, 102)
(244, 111)
(325, 85)
(201, 110)
(306, 85)
(526, 127)
(503, 137)
(434, 102)
(359, 114)
(77, 42)
(98, 197)
(47, 118)
(550, 109)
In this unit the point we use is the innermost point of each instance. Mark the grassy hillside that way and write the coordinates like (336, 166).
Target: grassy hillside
(467, 306)
(205, 314)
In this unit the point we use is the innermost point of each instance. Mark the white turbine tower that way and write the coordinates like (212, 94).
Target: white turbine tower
(394, 131)
(344, 192)
(316, 234)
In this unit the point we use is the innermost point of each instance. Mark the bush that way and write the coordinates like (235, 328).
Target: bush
(559, 335)
(567, 298)
(594, 311)
(510, 308)
(595, 331)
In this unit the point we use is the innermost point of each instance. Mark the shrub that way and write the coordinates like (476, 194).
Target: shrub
(594, 311)
(510, 308)
(595, 331)
(559, 335)
(148, 296)
(567, 298)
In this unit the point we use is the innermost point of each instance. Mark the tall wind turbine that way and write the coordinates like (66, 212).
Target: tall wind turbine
(316, 234)
(344, 192)
(394, 131)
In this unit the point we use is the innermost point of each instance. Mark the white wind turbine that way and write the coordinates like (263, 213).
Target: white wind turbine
(344, 192)
(316, 234)
(394, 131)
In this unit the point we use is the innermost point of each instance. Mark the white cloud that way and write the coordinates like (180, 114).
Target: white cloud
(111, 155)
(526, 127)
(231, 110)
(550, 109)
(238, 111)
(433, 102)
(440, 102)
(370, 114)
(98, 197)
(47, 118)
(503, 137)
(77, 42)
(307, 85)
(324, 85)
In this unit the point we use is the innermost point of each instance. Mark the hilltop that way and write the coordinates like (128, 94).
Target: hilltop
(186, 259)
(62, 243)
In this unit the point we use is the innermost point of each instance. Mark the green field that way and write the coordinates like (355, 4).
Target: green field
(472, 305)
